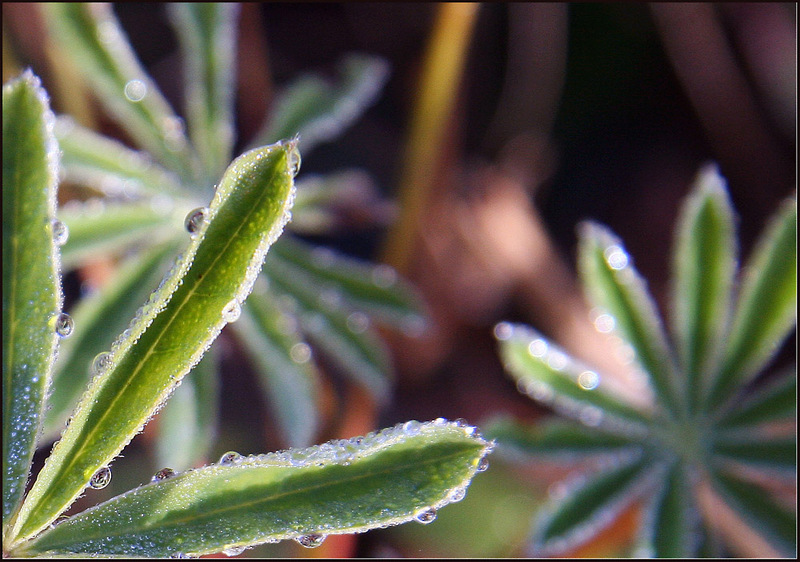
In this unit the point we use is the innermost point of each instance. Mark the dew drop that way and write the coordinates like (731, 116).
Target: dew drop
(358, 322)
(230, 458)
(60, 232)
(63, 324)
(503, 331)
(135, 90)
(604, 323)
(458, 494)
(101, 362)
(537, 348)
(163, 474)
(616, 257)
(588, 380)
(194, 220)
(234, 550)
(425, 516)
(232, 311)
(294, 160)
(100, 479)
(483, 465)
(179, 555)
(384, 276)
(412, 427)
(300, 353)
(311, 541)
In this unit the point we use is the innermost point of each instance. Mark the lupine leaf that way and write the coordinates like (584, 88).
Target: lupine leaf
(172, 331)
(99, 228)
(319, 111)
(589, 505)
(554, 438)
(774, 522)
(283, 363)
(107, 165)
(99, 318)
(766, 310)
(375, 289)
(31, 285)
(704, 265)
(91, 35)
(340, 487)
(757, 449)
(207, 34)
(613, 284)
(550, 376)
(187, 424)
(355, 348)
(774, 401)
(671, 518)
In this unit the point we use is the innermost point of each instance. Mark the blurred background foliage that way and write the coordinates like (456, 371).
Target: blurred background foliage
(561, 112)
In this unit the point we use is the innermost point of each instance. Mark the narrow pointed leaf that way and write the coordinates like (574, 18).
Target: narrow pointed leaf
(355, 348)
(91, 35)
(758, 449)
(31, 283)
(98, 319)
(370, 288)
(774, 401)
(207, 34)
(187, 424)
(704, 265)
(554, 438)
(107, 165)
(548, 375)
(172, 330)
(613, 284)
(99, 228)
(319, 111)
(339, 487)
(284, 366)
(772, 521)
(766, 310)
(588, 505)
(671, 518)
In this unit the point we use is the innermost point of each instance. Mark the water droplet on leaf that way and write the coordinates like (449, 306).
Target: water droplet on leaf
(616, 257)
(233, 550)
(135, 90)
(60, 232)
(588, 380)
(300, 353)
(163, 474)
(232, 311)
(230, 458)
(100, 479)
(101, 362)
(63, 324)
(194, 220)
(483, 465)
(425, 516)
(503, 331)
(312, 540)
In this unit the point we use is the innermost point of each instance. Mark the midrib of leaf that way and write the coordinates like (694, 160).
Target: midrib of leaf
(156, 332)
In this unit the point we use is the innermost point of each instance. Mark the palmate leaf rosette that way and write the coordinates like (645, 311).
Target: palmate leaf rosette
(393, 476)
(703, 428)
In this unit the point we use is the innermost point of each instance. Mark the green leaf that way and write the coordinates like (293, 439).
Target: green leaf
(187, 424)
(319, 111)
(99, 318)
(554, 438)
(766, 310)
(172, 331)
(92, 36)
(376, 290)
(96, 227)
(330, 327)
(106, 165)
(588, 504)
(545, 373)
(771, 520)
(614, 285)
(282, 360)
(31, 283)
(774, 401)
(704, 265)
(339, 487)
(207, 34)
(758, 449)
(671, 518)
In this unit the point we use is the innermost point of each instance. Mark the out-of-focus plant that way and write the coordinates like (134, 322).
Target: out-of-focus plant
(399, 474)
(309, 301)
(709, 434)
